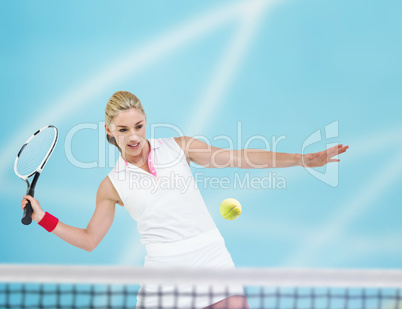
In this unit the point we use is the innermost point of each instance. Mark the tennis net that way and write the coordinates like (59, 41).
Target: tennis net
(96, 287)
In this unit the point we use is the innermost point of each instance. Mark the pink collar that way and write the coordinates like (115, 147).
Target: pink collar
(123, 164)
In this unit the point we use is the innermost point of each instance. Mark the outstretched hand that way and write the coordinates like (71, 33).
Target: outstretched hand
(321, 158)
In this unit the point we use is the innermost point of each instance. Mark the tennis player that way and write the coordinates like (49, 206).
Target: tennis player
(175, 225)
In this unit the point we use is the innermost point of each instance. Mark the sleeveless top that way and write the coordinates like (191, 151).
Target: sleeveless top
(166, 203)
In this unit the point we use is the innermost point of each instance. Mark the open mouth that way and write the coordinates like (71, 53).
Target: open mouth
(134, 146)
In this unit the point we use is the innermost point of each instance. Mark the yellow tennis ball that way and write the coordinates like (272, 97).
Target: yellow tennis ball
(230, 209)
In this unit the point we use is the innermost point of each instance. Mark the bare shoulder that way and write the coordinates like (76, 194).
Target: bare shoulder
(205, 154)
(107, 191)
(191, 145)
(184, 143)
(181, 141)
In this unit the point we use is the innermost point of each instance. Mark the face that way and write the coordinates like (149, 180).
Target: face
(128, 129)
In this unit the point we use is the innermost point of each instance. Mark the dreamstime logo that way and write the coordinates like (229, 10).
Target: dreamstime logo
(234, 154)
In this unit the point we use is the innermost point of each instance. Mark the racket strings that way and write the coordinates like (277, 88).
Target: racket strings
(35, 152)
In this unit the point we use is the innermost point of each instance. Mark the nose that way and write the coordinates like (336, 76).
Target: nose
(134, 139)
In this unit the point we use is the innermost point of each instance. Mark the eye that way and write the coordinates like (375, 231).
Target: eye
(122, 130)
(139, 127)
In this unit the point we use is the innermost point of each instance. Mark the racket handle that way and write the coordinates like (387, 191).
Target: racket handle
(27, 218)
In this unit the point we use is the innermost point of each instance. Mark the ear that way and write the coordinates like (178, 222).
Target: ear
(107, 130)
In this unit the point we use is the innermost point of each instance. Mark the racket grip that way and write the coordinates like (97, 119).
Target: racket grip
(27, 218)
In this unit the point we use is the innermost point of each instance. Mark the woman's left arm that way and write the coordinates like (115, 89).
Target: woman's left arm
(213, 157)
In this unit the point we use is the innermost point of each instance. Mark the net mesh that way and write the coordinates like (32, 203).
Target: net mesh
(35, 152)
(107, 296)
(261, 292)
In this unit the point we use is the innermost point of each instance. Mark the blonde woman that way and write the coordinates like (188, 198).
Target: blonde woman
(175, 225)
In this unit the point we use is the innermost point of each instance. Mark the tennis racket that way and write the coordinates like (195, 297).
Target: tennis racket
(31, 159)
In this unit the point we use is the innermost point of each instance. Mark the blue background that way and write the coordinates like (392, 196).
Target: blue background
(280, 69)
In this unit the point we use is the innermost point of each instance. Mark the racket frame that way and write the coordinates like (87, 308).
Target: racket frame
(27, 217)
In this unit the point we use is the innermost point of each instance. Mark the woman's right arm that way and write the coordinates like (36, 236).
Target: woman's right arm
(89, 238)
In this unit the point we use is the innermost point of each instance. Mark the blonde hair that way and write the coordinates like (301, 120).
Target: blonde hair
(120, 101)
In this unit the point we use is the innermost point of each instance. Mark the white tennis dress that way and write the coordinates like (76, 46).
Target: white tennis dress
(174, 222)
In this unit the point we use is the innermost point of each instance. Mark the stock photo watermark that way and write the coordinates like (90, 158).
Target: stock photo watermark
(174, 181)
(236, 153)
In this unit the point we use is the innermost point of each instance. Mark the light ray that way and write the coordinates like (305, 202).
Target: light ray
(212, 98)
(136, 60)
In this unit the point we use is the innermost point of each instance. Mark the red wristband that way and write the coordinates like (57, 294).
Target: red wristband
(48, 222)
